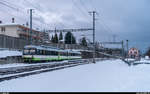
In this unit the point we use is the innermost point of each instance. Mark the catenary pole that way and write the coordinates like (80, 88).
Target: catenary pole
(94, 46)
(31, 10)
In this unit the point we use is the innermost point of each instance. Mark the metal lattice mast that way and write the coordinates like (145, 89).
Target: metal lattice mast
(94, 46)
(31, 10)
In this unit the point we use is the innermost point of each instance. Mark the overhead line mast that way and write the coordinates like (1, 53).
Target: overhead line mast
(31, 10)
(94, 46)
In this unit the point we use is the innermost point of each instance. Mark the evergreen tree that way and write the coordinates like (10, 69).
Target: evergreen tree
(83, 42)
(73, 40)
(148, 52)
(60, 36)
(52, 39)
(69, 38)
(55, 38)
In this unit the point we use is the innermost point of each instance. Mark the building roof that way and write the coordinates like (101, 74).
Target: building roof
(133, 48)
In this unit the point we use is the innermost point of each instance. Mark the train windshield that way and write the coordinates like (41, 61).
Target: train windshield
(29, 51)
(26, 51)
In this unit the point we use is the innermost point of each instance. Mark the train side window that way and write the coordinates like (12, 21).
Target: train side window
(55, 53)
(46, 52)
(49, 53)
(43, 52)
(52, 53)
(35, 51)
(32, 51)
(69, 54)
(38, 52)
(59, 53)
(62, 53)
(75, 54)
(65, 54)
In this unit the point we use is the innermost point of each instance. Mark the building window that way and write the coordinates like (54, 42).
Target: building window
(2, 29)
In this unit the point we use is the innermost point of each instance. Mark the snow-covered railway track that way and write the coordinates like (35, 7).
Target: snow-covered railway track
(26, 71)
(32, 67)
(6, 71)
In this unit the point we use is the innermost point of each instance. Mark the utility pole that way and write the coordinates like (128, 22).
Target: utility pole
(122, 49)
(94, 46)
(127, 49)
(31, 10)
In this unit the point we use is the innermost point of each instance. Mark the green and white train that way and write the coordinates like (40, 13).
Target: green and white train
(32, 53)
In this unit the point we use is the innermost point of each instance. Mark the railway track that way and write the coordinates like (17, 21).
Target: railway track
(17, 72)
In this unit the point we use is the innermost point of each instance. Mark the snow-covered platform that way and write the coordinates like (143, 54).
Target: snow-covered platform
(109, 75)
(10, 56)
(5, 53)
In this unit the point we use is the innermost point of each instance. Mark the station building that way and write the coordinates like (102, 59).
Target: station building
(133, 53)
(20, 31)
(16, 36)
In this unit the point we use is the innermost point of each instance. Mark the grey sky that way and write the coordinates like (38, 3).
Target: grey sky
(128, 19)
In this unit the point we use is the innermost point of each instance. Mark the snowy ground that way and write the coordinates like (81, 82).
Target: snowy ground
(143, 61)
(5, 53)
(104, 76)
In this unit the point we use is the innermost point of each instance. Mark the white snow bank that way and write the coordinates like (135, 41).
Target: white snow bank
(12, 65)
(145, 60)
(104, 76)
(5, 53)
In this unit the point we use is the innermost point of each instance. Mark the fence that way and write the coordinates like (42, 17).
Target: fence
(12, 42)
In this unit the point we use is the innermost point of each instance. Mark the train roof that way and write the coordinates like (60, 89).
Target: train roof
(50, 48)
(72, 51)
(42, 47)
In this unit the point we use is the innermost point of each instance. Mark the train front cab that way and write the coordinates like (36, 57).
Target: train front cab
(28, 54)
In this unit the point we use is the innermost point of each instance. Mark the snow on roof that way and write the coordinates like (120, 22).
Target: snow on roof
(10, 24)
(16, 24)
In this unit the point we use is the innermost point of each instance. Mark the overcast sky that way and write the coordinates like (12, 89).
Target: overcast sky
(127, 19)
